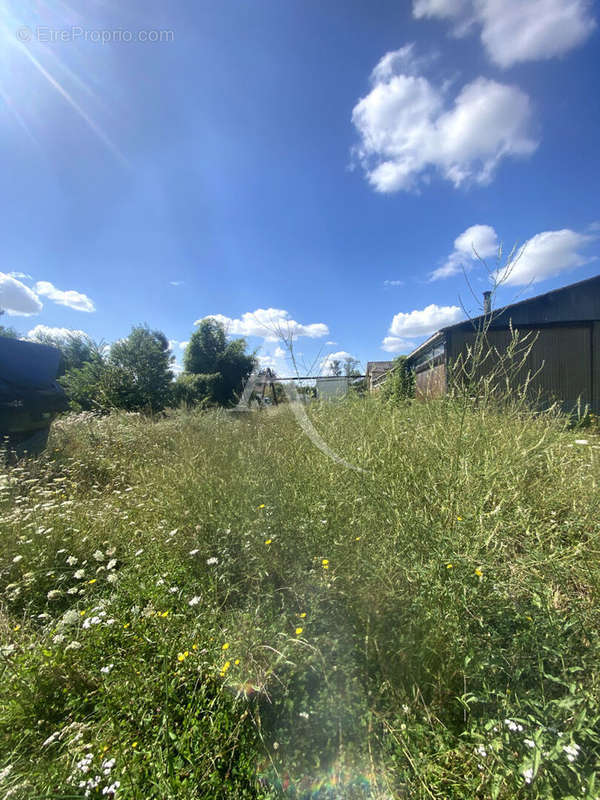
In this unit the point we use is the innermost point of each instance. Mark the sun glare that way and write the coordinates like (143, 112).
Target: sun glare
(46, 58)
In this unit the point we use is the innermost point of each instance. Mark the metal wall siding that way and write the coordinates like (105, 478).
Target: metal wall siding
(431, 382)
(596, 366)
(563, 354)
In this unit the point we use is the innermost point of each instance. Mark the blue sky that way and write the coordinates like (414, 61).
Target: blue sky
(333, 161)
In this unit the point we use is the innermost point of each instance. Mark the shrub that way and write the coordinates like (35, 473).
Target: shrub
(190, 389)
(399, 384)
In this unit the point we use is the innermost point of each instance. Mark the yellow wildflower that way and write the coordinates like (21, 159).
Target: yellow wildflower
(126, 625)
(93, 580)
(478, 572)
(183, 656)
(268, 541)
(298, 631)
(194, 647)
(134, 745)
(236, 662)
(226, 666)
(82, 613)
(262, 505)
(302, 615)
(164, 614)
(459, 519)
(17, 628)
(325, 563)
(449, 566)
(225, 646)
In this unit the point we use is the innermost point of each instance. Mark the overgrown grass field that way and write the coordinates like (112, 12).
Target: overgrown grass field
(206, 606)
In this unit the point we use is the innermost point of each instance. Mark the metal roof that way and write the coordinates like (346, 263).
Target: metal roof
(577, 302)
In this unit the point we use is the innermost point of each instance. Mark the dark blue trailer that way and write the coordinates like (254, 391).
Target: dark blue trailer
(30, 397)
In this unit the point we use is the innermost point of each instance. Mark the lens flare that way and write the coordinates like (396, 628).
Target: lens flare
(22, 94)
(337, 783)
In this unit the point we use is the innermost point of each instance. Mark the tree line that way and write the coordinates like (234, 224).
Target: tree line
(136, 373)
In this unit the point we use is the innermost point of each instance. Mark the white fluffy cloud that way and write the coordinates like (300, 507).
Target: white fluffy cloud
(393, 344)
(43, 332)
(269, 324)
(16, 298)
(424, 322)
(543, 256)
(410, 128)
(276, 360)
(175, 344)
(70, 298)
(418, 324)
(327, 362)
(516, 30)
(546, 255)
(478, 240)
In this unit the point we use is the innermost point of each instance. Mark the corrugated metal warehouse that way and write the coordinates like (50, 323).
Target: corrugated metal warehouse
(565, 324)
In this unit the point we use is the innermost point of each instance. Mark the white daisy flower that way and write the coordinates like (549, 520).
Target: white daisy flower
(513, 726)
(528, 774)
(572, 751)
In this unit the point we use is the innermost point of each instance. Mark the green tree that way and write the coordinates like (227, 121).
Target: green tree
(76, 347)
(85, 385)
(140, 370)
(208, 353)
(135, 375)
(206, 345)
(335, 368)
(9, 333)
(351, 366)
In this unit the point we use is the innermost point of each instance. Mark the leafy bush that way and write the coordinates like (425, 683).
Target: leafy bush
(399, 384)
(190, 389)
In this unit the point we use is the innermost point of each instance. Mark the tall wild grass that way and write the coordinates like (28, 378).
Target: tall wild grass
(205, 606)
